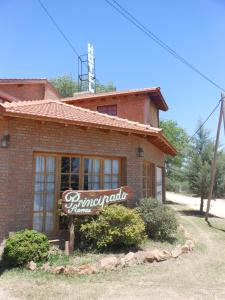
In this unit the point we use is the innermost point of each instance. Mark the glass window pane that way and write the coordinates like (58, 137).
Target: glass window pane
(37, 221)
(75, 164)
(50, 164)
(49, 222)
(75, 178)
(95, 186)
(107, 185)
(115, 167)
(38, 202)
(65, 182)
(50, 187)
(107, 166)
(107, 178)
(39, 178)
(115, 178)
(50, 178)
(39, 187)
(65, 165)
(115, 185)
(96, 168)
(87, 165)
(85, 182)
(74, 186)
(40, 164)
(50, 199)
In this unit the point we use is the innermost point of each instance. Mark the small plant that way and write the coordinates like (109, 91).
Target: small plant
(160, 220)
(24, 246)
(116, 227)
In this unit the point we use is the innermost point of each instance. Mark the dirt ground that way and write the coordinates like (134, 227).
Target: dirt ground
(198, 275)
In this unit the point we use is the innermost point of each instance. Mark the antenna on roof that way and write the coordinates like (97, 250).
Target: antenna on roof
(86, 71)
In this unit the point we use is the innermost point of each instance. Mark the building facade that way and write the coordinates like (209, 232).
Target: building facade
(86, 142)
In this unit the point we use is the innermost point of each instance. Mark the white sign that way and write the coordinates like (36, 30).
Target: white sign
(91, 69)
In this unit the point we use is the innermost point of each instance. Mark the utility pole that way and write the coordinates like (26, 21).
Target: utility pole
(213, 168)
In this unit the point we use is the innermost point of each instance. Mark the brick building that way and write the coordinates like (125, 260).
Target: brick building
(89, 141)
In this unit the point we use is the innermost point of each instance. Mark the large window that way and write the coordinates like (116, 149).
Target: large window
(108, 109)
(146, 180)
(70, 169)
(44, 193)
(53, 174)
(89, 173)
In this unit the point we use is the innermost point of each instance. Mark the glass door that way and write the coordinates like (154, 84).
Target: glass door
(44, 194)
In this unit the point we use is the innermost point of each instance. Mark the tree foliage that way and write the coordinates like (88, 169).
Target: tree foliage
(178, 137)
(66, 85)
(199, 164)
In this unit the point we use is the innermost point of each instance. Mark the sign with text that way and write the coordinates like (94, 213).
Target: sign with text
(92, 201)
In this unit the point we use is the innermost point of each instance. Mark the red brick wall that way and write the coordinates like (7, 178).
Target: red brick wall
(134, 108)
(24, 91)
(26, 137)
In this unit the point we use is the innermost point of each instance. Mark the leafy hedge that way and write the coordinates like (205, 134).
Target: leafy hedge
(116, 227)
(160, 220)
(24, 246)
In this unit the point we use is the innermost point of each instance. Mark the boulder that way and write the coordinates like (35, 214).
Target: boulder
(69, 270)
(31, 265)
(177, 251)
(58, 270)
(165, 254)
(46, 267)
(139, 257)
(109, 263)
(130, 259)
(87, 269)
(190, 244)
(149, 256)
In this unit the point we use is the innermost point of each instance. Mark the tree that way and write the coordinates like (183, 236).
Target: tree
(66, 85)
(199, 164)
(178, 137)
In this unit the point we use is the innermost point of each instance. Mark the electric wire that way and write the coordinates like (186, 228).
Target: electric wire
(58, 27)
(127, 15)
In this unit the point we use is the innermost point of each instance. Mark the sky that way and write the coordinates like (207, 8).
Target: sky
(31, 47)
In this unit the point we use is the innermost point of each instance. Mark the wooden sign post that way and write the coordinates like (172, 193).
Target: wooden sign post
(91, 202)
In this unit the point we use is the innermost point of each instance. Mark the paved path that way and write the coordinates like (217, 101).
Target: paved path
(217, 207)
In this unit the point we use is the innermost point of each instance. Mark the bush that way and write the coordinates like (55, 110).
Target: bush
(24, 246)
(160, 220)
(116, 227)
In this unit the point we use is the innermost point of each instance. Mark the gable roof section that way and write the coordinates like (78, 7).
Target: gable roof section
(7, 97)
(153, 92)
(56, 111)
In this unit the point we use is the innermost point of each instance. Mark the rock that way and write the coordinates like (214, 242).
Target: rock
(130, 259)
(109, 263)
(165, 254)
(139, 257)
(177, 251)
(87, 269)
(69, 270)
(185, 249)
(46, 267)
(190, 244)
(149, 256)
(31, 265)
(58, 270)
(158, 255)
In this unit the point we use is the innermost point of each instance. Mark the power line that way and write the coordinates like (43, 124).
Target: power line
(212, 112)
(58, 27)
(127, 15)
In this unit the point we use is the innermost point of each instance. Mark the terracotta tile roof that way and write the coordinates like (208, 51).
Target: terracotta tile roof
(56, 111)
(154, 92)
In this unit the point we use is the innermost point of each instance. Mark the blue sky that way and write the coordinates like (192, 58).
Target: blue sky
(32, 47)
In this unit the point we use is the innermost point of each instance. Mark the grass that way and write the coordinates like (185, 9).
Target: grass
(197, 275)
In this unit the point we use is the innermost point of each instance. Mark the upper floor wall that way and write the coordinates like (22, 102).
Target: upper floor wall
(26, 89)
(139, 105)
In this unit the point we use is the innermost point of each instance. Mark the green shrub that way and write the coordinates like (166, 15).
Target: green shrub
(116, 227)
(160, 220)
(24, 246)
